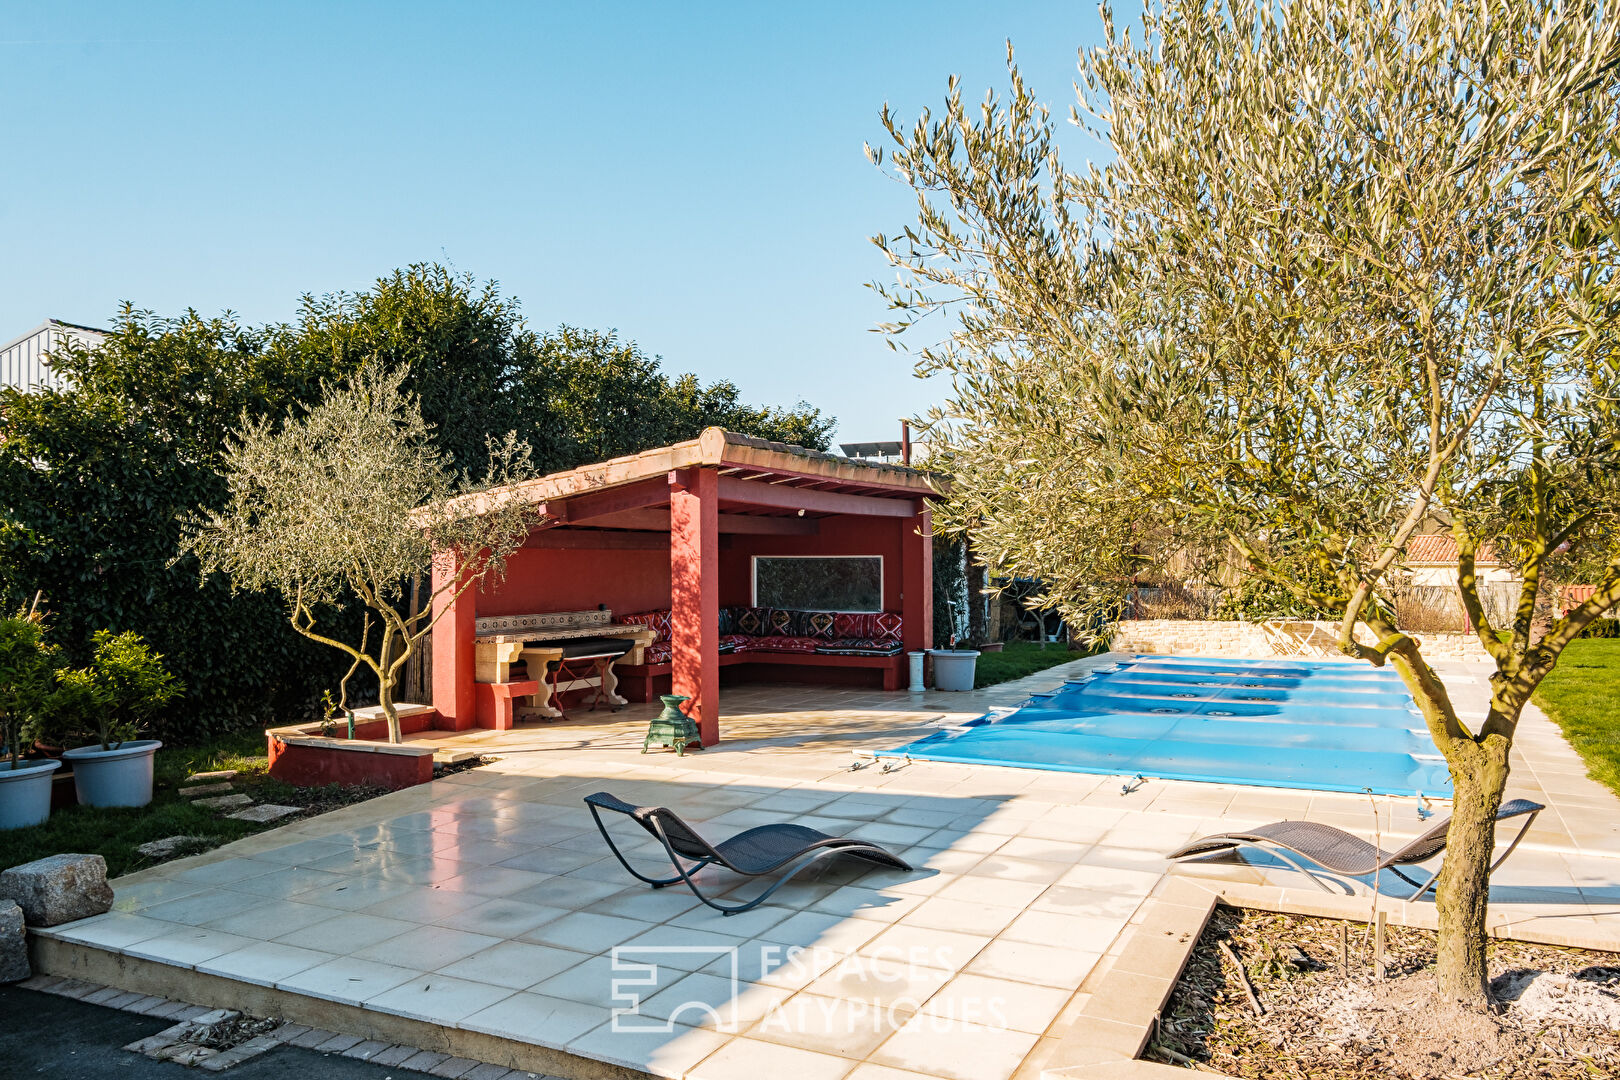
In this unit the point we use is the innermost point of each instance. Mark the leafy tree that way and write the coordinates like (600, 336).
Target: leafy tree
(93, 479)
(345, 502)
(1350, 265)
(462, 343)
(594, 396)
(575, 396)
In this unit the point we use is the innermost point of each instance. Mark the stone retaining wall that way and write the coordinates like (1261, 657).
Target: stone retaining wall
(1312, 639)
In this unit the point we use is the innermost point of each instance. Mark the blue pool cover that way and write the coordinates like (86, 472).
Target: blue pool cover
(1325, 726)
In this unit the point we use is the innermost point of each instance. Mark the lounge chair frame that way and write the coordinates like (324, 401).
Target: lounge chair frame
(782, 848)
(1295, 842)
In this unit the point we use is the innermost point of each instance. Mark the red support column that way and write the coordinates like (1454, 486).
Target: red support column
(453, 649)
(917, 580)
(694, 564)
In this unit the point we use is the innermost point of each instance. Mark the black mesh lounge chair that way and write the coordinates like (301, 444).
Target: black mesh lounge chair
(1341, 853)
(767, 849)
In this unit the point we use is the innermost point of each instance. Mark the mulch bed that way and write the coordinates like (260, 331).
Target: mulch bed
(1557, 1014)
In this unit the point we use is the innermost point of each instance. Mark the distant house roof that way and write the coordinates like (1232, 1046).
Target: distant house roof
(871, 449)
(1440, 549)
(23, 359)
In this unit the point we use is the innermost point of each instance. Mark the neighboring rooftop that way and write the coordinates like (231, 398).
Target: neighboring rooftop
(1440, 549)
(23, 359)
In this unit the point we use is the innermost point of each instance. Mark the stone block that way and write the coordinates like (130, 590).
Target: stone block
(207, 789)
(264, 813)
(190, 1055)
(171, 846)
(13, 944)
(311, 1038)
(211, 777)
(394, 1055)
(223, 1060)
(58, 889)
(225, 802)
(216, 1016)
(151, 1044)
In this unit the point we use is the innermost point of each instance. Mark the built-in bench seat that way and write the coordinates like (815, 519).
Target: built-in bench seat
(778, 636)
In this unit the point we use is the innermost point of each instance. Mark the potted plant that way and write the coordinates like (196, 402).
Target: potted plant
(125, 684)
(26, 665)
(953, 667)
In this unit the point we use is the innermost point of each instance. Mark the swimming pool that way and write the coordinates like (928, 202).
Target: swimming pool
(1320, 725)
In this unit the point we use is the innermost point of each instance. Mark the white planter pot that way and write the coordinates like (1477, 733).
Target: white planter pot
(25, 793)
(953, 668)
(121, 777)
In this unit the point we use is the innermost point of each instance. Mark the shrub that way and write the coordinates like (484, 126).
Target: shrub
(27, 661)
(112, 699)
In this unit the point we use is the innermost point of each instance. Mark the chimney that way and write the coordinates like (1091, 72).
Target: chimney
(905, 442)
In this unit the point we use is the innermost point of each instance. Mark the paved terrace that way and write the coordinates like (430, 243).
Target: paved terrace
(486, 902)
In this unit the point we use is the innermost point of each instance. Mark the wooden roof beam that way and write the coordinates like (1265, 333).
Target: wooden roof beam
(752, 493)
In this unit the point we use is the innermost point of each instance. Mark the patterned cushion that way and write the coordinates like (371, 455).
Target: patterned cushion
(657, 621)
(888, 624)
(657, 654)
(735, 642)
(728, 621)
(860, 647)
(855, 624)
(782, 623)
(785, 643)
(754, 621)
(816, 624)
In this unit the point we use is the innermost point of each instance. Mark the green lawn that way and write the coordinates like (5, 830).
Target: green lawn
(1583, 696)
(115, 833)
(1018, 659)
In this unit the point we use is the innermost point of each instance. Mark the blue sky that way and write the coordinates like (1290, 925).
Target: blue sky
(691, 174)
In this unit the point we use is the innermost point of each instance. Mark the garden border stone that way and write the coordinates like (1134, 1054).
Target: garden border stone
(58, 888)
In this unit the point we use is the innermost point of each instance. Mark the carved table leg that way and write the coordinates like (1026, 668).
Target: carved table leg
(610, 682)
(541, 704)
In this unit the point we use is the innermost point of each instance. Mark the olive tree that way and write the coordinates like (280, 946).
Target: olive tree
(347, 501)
(1348, 270)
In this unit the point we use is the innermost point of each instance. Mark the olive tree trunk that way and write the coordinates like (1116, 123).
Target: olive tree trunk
(1462, 893)
(1479, 771)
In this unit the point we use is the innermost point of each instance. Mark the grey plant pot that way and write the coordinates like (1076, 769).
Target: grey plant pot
(121, 777)
(25, 793)
(953, 668)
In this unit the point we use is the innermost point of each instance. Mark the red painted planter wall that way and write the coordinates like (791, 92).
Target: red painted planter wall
(317, 766)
